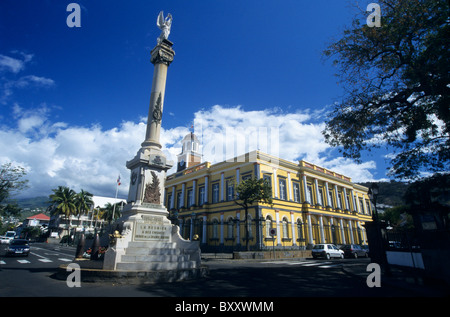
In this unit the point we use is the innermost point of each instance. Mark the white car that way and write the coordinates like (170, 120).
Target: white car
(9, 235)
(326, 250)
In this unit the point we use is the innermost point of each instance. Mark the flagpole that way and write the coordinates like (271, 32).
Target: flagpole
(115, 200)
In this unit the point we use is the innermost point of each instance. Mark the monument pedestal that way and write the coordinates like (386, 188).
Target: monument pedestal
(149, 242)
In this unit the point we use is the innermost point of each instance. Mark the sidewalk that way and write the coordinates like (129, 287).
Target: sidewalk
(413, 281)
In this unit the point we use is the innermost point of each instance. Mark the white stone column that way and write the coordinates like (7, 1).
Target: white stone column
(275, 182)
(350, 229)
(344, 193)
(341, 224)
(221, 228)
(172, 199)
(161, 56)
(316, 185)
(191, 231)
(205, 232)
(194, 192)
(205, 199)
(305, 190)
(294, 232)
(322, 236)
(277, 218)
(328, 204)
(238, 228)
(291, 195)
(222, 185)
(338, 201)
(310, 235)
(183, 192)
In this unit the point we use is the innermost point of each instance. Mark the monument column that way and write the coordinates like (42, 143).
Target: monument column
(161, 56)
(144, 235)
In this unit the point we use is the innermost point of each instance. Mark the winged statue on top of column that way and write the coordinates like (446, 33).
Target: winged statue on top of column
(164, 25)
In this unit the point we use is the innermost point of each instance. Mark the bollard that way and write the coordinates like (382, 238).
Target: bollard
(80, 247)
(95, 247)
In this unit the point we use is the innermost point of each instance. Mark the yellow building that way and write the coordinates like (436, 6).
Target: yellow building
(311, 205)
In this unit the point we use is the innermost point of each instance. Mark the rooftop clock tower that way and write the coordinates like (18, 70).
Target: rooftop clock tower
(189, 155)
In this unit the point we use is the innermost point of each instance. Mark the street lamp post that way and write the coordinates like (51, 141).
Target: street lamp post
(380, 250)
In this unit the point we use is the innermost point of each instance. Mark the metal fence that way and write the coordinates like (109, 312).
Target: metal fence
(232, 235)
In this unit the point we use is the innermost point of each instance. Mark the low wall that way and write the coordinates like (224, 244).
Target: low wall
(277, 254)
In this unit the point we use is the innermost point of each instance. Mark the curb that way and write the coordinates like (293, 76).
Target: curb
(93, 275)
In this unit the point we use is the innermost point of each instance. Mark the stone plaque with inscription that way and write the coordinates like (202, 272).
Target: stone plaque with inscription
(152, 228)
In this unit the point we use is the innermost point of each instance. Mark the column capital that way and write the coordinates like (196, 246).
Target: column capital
(162, 53)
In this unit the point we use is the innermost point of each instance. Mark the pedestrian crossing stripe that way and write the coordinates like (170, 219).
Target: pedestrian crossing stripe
(2, 262)
(65, 260)
(23, 261)
(316, 264)
(45, 260)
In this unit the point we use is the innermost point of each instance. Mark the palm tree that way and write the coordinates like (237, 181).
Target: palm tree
(83, 201)
(108, 212)
(63, 202)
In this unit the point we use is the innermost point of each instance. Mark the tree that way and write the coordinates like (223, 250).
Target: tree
(11, 179)
(83, 202)
(251, 191)
(396, 83)
(110, 213)
(63, 202)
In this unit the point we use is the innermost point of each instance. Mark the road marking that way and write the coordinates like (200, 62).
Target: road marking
(38, 255)
(328, 266)
(316, 263)
(2, 262)
(65, 260)
(23, 261)
(297, 263)
(45, 260)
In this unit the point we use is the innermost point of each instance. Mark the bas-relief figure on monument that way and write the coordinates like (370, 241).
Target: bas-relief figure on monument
(152, 191)
(164, 24)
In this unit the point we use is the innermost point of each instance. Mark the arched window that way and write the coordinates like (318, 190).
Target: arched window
(215, 229)
(249, 227)
(230, 231)
(285, 226)
(300, 230)
(269, 225)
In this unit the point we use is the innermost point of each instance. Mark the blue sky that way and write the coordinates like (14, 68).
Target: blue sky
(74, 101)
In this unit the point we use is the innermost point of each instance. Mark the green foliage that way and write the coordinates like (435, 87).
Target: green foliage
(253, 190)
(250, 191)
(111, 212)
(83, 201)
(390, 193)
(11, 180)
(396, 80)
(63, 201)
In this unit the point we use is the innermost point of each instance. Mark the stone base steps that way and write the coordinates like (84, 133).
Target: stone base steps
(156, 266)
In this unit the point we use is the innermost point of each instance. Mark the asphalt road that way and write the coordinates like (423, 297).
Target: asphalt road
(32, 276)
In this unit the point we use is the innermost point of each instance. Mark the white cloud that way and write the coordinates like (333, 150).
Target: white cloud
(90, 158)
(11, 64)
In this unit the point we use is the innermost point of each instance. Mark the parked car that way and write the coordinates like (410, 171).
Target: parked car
(325, 250)
(354, 251)
(9, 235)
(18, 247)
